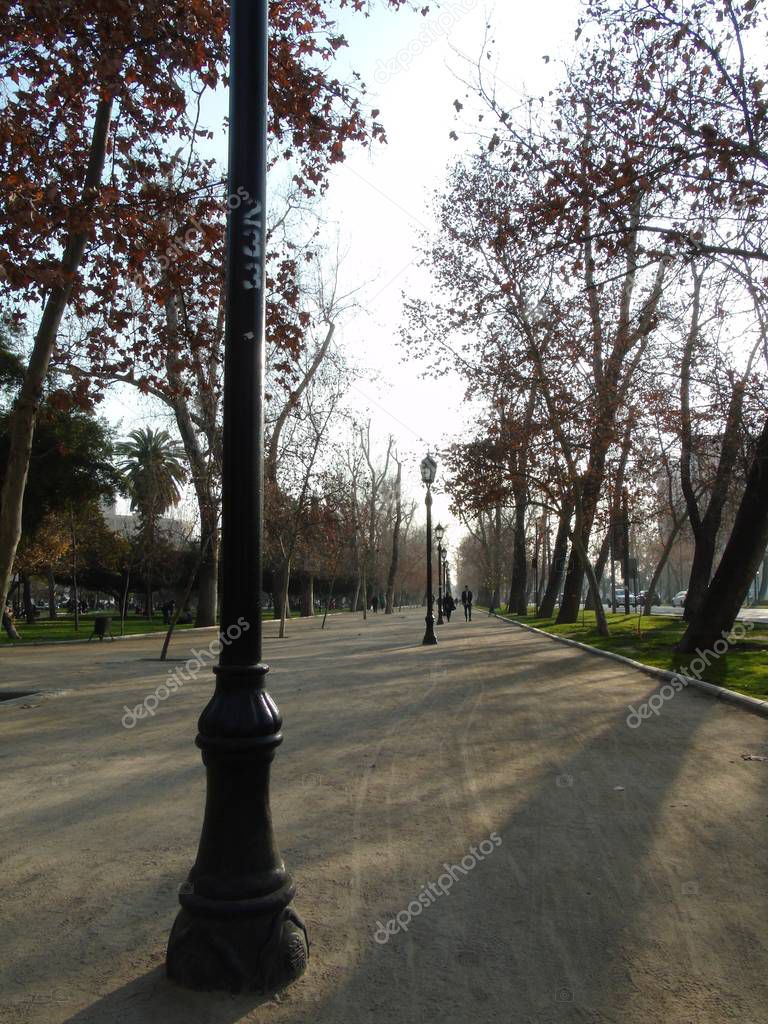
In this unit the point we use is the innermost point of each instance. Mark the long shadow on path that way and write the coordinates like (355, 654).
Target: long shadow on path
(624, 888)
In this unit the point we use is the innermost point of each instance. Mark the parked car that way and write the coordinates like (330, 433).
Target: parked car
(679, 599)
(642, 597)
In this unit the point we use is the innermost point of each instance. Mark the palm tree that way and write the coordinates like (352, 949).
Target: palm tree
(153, 470)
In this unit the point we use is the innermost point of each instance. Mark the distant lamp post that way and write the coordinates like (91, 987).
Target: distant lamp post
(428, 471)
(446, 585)
(439, 534)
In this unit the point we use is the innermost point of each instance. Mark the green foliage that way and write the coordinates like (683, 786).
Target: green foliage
(153, 471)
(102, 555)
(70, 467)
(11, 369)
(164, 563)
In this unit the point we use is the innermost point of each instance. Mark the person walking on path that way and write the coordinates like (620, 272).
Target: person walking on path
(466, 600)
(448, 607)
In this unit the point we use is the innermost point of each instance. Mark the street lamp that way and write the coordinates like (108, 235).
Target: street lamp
(445, 572)
(235, 929)
(439, 533)
(428, 471)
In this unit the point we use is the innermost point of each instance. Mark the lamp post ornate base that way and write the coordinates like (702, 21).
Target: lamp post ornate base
(429, 634)
(235, 929)
(262, 952)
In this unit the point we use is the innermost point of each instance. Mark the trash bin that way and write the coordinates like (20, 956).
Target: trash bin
(101, 627)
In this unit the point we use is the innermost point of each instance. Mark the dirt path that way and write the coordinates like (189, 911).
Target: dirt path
(626, 882)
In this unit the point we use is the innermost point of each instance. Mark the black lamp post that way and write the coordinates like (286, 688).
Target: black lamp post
(446, 587)
(428, 471)
(439, 533)
(235, 929)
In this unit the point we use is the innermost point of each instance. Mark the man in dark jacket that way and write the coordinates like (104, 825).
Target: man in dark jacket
(466, 600)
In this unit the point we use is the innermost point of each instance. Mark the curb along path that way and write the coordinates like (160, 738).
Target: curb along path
(752, 704)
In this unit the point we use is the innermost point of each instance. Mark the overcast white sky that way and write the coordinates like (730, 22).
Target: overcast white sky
(380, 197)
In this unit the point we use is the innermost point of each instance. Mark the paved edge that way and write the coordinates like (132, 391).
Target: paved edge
(752, 704)
(16, 702)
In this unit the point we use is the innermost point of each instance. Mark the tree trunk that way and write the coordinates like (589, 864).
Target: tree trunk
(284, 607)
(75, 591)
(701, 570)
(279, 593)
(495, 597)
(660, 567)
(574, 577)
(557, 568)
(208, 577)
(389, 608)
(308, 596)
(602, 558)
(707, 526)
(331, 586)
(742, 556)
(585, 505)
(585, 508)
(764, 579)
(24, 414)
(202, 473)
(26, 589)
(52, 612)
(518, 590)
(9, 627)
(183, 595)
(618, 486)
(572, 589)
(124, 600)
(272, 444)
(600, 619)
(539, 572)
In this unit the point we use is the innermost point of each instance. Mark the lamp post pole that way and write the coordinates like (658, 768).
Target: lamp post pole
(428, 470)
(235, 929)
(429, 634)
(439, 535)
(625, 552)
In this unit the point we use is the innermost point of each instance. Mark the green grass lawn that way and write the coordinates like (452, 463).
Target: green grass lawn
(63, 628)
(744, 667)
